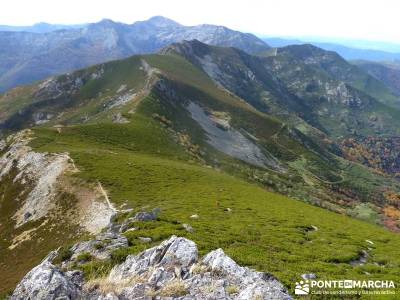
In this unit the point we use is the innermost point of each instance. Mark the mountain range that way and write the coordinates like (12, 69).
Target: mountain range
(29, 56)
(322, 99)
(286, 158)
(39, 27)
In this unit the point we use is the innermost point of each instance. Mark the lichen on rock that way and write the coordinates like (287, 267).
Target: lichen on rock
(171, 270)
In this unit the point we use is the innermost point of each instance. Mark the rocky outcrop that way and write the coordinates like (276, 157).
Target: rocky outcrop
(47, 282)
(42, 177)
(171, 270)
(175, 252)
(230, 141)
(340, 93)
(100, 247)
(38, 170)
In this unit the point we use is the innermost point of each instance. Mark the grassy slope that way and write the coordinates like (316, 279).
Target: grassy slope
(193, 84)
(376, 89)
(337, 119)
(264, 230)
(323, 168)
(142, 167)
(18, 106)
(14, 263)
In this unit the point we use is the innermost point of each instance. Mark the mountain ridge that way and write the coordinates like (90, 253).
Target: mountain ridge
(149, 135)
(28, 56)
(295, 82)
(347, 52)
(243, 87)
(385, 72)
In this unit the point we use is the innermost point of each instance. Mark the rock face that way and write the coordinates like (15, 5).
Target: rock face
(39, 170)
(171, 270)
(250, 284)
(230, 141)
(47, 282)
(173, 252)
(297, 83)
(42, 177)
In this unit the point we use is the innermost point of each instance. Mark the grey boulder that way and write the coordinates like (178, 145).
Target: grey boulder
(47, 282)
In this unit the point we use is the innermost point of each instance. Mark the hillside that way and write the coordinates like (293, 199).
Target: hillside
(386, 72)
(295, 158)
(381, 53)
(165, 132)
(304, 85)
(26, 57)
(341, 70)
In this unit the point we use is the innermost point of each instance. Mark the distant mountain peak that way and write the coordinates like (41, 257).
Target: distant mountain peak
(305, 49)
(106, 22)
(103, 41)
(42, 24)
(312, 53)
(161, 21)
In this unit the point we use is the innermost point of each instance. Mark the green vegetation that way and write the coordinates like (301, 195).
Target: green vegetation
(160, 158)
(38, 238)
(263, 230)
(64, 254)
(95, 269)
(84, 257)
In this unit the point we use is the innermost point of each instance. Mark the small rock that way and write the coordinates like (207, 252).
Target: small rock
(27, 215)
(127, 224)
(144, 239)
(194, 216)
(144, 216)
(369, 242)
(314, 227)
(361, 260)
(228, 209)
(147, 216)
(188, 228)
(308, 276)
(100, 248)
(217, 260)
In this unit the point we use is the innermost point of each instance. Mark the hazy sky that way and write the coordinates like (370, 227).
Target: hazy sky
(361, 19)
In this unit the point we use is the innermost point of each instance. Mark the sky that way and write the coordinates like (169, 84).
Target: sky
(350, 19)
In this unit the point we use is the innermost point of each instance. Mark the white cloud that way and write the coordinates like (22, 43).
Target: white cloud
(362, 19)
